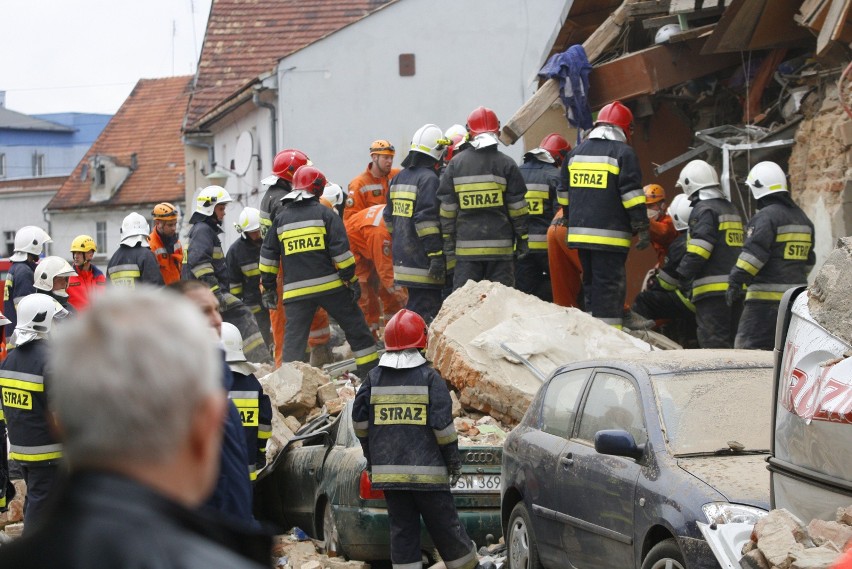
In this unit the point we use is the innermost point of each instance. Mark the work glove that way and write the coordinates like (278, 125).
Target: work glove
(644, 239)
(734, 294)
(355, 290)
(269, 299)
(438, 268)
(522, 247)
(560, 222)
(455, 474)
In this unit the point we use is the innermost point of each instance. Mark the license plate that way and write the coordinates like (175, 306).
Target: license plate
(478, 483)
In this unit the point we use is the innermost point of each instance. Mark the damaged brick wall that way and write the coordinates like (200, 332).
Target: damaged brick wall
(821, 165)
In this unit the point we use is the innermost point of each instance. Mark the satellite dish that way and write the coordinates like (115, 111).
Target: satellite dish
(243, 153)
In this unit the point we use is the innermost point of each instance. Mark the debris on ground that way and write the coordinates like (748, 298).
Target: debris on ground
(828, 301)
(466, 342)
(781, 541)
(291, 552)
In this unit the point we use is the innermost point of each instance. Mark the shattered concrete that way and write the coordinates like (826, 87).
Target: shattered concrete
(465, 345)
(293, 388)
(828, 300)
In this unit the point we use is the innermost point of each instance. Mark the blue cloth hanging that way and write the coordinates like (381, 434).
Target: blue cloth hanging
(571, 68)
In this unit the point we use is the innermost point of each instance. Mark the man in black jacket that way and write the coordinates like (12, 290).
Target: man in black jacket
(137, 472)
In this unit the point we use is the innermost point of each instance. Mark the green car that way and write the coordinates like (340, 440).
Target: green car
(320, 485)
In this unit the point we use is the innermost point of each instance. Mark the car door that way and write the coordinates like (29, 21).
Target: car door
(542, 449)
(599, 498)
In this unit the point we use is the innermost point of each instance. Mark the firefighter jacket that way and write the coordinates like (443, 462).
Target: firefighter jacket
(403, 420)
(20, 281)
(25, 405)
(169, 256)
(483, 206)
(714, 242)
(366, 190)
(271, 204)
(243, 261)
(131, 265)
(204, 259)
(255, 410)
(667, 277)
(606, 203)
(83, 285)
(309, 241)
(778, 251)
(413, 220)
(544, 184)
(369, 240)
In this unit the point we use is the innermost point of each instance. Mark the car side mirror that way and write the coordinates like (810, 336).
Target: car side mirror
(618, 443)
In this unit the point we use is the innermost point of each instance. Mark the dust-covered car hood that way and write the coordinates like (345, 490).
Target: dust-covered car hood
(741, 479)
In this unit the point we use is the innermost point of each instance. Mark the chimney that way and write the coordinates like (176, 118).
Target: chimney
(134, 162)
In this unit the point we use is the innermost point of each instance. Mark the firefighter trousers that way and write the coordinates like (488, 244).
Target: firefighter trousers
(441, 519)
(566, 273)
(756, 330)
(604, 284)
(716, 321)
(320, 327)
(40, 481)
(340, 306)
(254, 345)
(261, 316)
(424, 301)
(532, 275)
(502, 272)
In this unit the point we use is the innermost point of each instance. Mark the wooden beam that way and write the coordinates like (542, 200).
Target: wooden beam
(595, 46)
(833, 25)
(653, 69)
(692, 34)
(647, 8)
(660, 21)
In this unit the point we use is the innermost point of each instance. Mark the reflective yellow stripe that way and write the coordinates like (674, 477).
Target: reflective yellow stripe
(700, 251)
(730, 225)
(633, 202)
(764, 295)
(252, 272)
(263, 435)
(712, 287)
(538, 245)
(428, 231)
(35, 457)
(686, 302)
(519, 212)
(397, 195)
(245, 402)
(578, 165)
(534, 194)
(21, 384)
(312, 289)
(747, 267)
(782, 237)
(269, 269)
(462, 251)
(313, 230)
(366, 358)
(598, 239)
(399, 398)
(127, 275)
(237, 289)
(347, 263)
(479, 186)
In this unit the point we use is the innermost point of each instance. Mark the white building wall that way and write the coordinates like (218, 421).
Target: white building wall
(18, 209)
(65, 226)
(339, 94)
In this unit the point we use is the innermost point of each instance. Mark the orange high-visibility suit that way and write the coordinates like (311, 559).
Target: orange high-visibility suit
(370, 242)
(662, 232)
(366, 190)
(170, 263)
(566, 273)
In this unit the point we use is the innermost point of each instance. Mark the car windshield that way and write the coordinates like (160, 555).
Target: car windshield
(710, 411)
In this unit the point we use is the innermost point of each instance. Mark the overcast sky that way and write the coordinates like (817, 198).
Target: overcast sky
(86, 55)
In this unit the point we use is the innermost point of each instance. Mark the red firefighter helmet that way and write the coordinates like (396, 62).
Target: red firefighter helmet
(287, 162)
(481, 120)
(556, 146)
(617, 114)
(406, 329)
(310, 179)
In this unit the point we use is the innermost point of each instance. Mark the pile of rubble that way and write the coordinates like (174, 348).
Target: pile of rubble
(828, 301)
(781, 541)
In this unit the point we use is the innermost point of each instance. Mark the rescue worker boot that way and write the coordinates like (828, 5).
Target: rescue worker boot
(321, 355)
(634, 321)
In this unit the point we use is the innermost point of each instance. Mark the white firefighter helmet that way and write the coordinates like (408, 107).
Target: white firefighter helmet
(680, 210)
(232, 340)
(210, 197)
(766, 178)
(29, 239)
(333, 194)
(666, 32)
(36, 313)
(429, 140)
(249, 220)
(49, 268)
(3, 320)
(697, 175)
(134, 230)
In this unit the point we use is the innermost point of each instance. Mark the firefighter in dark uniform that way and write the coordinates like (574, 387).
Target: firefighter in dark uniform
(309, 242)
(29, 245)
(134, 262)
(482, 207)
(247, 395)
(777, 255)
(243, 261)
(7, 490)
(663, 298)
(205, 261)
(713, 245)
(606, 206)
(414, 224)
(540, 171)
(402, 416)
(25, 402)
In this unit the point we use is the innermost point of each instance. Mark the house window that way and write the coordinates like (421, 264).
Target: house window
(8, 243)
(38, 164)
(2, 165)
(101, 236)
(101, 175)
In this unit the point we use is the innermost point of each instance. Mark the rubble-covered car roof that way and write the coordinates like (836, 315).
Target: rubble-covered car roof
(679, 361)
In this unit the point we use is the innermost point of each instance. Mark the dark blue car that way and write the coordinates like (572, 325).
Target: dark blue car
(615, 461)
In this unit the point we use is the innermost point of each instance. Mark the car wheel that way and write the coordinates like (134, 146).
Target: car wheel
(330, 535)
(664, 555)
(523, 548)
